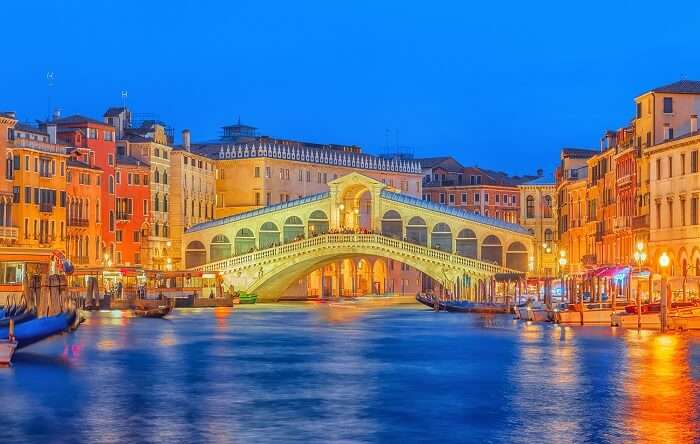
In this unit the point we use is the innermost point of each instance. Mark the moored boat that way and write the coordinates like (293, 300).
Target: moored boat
(593, 314)
(425, 300)
(38, 329)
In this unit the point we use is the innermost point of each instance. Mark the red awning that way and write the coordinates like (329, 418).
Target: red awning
(609, 271)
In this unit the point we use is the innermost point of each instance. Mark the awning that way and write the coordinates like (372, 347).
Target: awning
(610, 271)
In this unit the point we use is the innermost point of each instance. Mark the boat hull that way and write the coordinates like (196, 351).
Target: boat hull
(7, 350)
(38, 329)
(590, 317)
(630, 320)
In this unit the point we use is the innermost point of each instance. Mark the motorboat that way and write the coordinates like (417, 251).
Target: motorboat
(474, 307)
(682, 315)
(144, 308)
(593, 314)
(532, 311)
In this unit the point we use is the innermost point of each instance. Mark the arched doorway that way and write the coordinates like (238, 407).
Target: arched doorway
(492, 250)
(441, 237)
(318, 223)
(392, 225)
(293, 229)
(244, 241)
(220, 248)
(195, 254)
(516, 257)
(355, 209)
(466, 243)
(379, 276)
(269, 235)
(363, 276)
(417, 231)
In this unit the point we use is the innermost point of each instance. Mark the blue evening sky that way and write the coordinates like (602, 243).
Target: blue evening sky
(499, 84)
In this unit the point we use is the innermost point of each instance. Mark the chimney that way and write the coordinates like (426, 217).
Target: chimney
(51, 130)
(693, 123)
(667, 131)
(186, 139)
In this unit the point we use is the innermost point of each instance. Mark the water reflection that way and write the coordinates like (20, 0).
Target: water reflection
(661, 394)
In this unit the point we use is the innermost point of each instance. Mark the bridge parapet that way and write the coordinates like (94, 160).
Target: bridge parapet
(358, 240)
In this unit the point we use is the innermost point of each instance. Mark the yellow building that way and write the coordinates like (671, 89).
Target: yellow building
(39, 183)
(537, 214)
(193, 193)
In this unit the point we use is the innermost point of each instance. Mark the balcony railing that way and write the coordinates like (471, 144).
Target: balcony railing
(80, 260)
(77, 222)
(9, 233)
(39, 146)
(640, 222)
(46, 207)
(122, 216)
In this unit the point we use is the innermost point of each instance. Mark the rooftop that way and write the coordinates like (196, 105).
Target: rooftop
(129, 160)
(680, 87)
(77, 119)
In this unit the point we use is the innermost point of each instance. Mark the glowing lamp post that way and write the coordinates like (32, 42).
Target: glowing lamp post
(562, 263)
(664, 261)
(640, 256)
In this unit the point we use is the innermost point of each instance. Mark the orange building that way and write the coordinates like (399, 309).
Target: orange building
(8, 230)
(83, 219)
(132, 211)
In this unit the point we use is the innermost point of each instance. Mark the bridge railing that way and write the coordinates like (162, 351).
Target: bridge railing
(353, 239)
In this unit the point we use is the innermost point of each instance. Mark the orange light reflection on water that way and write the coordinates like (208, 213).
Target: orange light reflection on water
(659, 388)
(221, 314)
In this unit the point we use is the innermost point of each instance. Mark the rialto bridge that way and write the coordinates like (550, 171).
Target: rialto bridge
(359, 221)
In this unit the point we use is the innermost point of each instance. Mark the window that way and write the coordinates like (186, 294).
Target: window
(156, 176)
(118, 175)
(257, 198)
(694, 211)
(670, 166)
(530, 207)
(26, 163)
(257, 172)
(111, 220)
(670, 133)
(28, 195)
(694, 161)
(658, 169)
(639, 110)
(547, 207)
(486, 197)
(268, 198)
(477, 197)
(165, 177)
(452, 199)
(128, 179)
(111, 185)
(548, 235)
(682, 164)
(670, 214)
(498, 197)
(464, 198)
(268, 172)
(118, 235)
(668, 105)
(92, 133)
(108, 136)
(301, 175)
(110, 159)
(442, 198)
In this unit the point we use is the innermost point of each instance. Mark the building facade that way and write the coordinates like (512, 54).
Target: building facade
(83, 212)
(537, 214)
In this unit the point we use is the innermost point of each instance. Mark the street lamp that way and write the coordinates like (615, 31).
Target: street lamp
(562, 263)
(640, 256)
(664, 261)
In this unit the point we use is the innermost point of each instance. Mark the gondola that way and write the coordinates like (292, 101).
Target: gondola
(144, 308)
(426, 300)
(27, 333)
(19, 318)
(473, 307)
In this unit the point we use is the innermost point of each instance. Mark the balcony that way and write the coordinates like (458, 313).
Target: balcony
(640, 222)
(39, 146)
(46, 207)
(621, 223)
(123, 217)
(80, 260)
(8, 233)
(77, 222)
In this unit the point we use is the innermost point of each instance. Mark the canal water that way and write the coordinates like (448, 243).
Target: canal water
(282, 374)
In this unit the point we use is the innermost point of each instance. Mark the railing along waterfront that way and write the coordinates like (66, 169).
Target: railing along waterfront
(353, 239)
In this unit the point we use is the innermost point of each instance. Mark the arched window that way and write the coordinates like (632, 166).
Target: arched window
(165, 177)
(466, 244)
(441, 237)
(547, 210)
(530, 207)
(548, 235)
(492, 250)
(220, 248)
(195, 254)
(244, 242)
(391, 224)
(156, 203)
(293, 229)
(156, 176)
(318, 223)
(417, 231)
(165, 203)
(269, 235)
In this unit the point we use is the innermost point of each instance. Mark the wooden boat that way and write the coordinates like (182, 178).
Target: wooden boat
(153, 309)
(8, 346)
(532, 311)
(426, 300)
(593, 314)
(686, 318)
(247, 298)
(474, 307)
(18, 318)
(38, 329)
(681, 316)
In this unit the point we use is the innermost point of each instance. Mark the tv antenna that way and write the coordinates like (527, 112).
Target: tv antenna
(125, 96)
(50, 78)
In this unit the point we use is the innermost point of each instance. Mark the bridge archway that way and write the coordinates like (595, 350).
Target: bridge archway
(195, 254)
(355, 208)
(492, 250)
(244, 241)
(379, 276)
(293, 229)
(220, 248)
(467, 244)
(392, 225)
(417, 231)
(441, 237)
(516, 257)
(269, 235)
(318, 223)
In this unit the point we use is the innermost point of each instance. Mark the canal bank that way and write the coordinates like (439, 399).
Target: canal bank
(281, 373)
